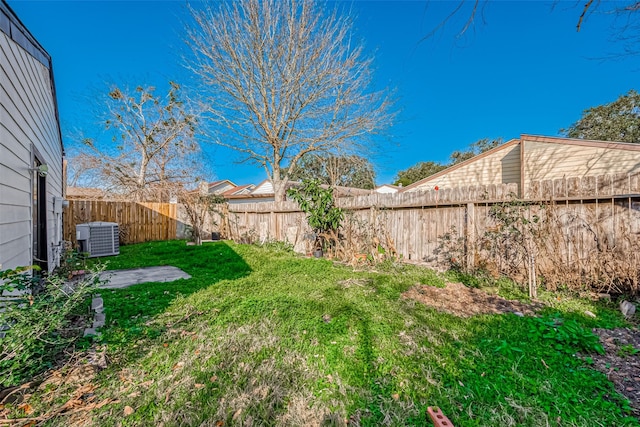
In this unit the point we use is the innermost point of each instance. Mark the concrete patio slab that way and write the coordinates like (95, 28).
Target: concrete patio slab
(117, 279)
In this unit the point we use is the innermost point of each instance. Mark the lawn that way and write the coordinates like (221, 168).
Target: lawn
(261, 336)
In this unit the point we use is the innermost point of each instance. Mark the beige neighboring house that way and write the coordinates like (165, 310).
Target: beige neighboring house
(239, 190)
(387, 189)
(263, 192)
(536, 158)
(32, 169)
(219, 187)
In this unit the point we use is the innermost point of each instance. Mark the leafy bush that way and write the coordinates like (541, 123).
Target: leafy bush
(35, 324)
(565, 335)
(323, 216)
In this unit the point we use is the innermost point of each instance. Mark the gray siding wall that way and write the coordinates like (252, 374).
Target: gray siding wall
(548, 160)
(499, 167)
(28, 123)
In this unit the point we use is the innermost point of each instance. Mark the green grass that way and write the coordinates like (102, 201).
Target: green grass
(259, 336)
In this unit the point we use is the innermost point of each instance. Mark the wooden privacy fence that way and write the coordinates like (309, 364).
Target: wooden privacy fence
(587, 226)
(411, 222)
(138, 222)
(583, 217)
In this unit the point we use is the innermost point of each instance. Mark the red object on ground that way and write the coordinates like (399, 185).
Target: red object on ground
(438, 418)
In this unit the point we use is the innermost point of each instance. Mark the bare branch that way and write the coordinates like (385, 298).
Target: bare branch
(284, 78)
(584, 12)
(151, 148)
(624, 31)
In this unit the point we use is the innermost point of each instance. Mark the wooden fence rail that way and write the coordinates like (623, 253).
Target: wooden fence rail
(584, 217)
(138, 222)
(412, 221)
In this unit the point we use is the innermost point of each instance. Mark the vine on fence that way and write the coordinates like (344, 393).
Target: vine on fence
(324, 218)
(530, 243)
(365, 240)
(513, 241)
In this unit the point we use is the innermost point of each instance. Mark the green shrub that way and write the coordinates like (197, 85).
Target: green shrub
(323, 216)
(36, 323)
(565, 335)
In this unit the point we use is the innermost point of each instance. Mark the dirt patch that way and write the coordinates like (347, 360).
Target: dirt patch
(460, 300)
(621, 362)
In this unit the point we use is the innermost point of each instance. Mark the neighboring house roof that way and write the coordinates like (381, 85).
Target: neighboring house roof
(263, 192)
(241, 189)
(348, 191)
(628, 146)
(265, 187)
(222, 181)
(221, 186)
(251, 197)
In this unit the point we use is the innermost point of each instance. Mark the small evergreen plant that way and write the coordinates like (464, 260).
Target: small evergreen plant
(317, 202)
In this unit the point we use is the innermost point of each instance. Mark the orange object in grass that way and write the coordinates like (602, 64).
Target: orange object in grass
(438, 418)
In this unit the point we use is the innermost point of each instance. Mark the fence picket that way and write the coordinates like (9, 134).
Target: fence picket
(138, 222)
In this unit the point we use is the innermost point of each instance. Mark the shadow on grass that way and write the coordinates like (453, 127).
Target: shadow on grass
(296, 330)
(130, 311)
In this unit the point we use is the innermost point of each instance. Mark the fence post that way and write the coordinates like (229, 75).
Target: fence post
(470, 235)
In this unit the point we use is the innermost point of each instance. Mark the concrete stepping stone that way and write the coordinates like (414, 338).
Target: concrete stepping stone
(118, 279)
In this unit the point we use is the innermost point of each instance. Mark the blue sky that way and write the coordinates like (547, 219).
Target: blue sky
(521, 68)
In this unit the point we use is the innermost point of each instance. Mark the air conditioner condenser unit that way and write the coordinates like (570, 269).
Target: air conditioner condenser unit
(98, 238)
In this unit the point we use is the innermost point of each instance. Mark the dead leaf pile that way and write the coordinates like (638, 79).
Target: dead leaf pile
(82, 400)
(460, 300)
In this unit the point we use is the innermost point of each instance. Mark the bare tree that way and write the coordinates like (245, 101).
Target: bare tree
(151, 146)
(624, 16)
(344, 171)
(285, 78)
(201, 209)
(83, 169)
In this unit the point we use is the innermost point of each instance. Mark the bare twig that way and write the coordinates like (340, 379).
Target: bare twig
(582, 15)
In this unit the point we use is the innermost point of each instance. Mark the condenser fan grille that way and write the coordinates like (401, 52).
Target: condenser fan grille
(98, 238)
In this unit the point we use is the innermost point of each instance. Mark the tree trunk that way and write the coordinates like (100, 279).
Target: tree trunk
(279, 193)
(279, 186)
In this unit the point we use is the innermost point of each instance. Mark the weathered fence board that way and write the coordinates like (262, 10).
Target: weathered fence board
(138, 222)
(587, 215)
(584, 218)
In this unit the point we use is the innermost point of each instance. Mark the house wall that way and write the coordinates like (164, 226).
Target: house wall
(239, 200)
(221, 188)
(28, 124)
(386, 190)
(498, 166)
(545, 159)
(266, 187)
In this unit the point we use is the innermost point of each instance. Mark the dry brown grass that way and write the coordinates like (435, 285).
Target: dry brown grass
(247, 369)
